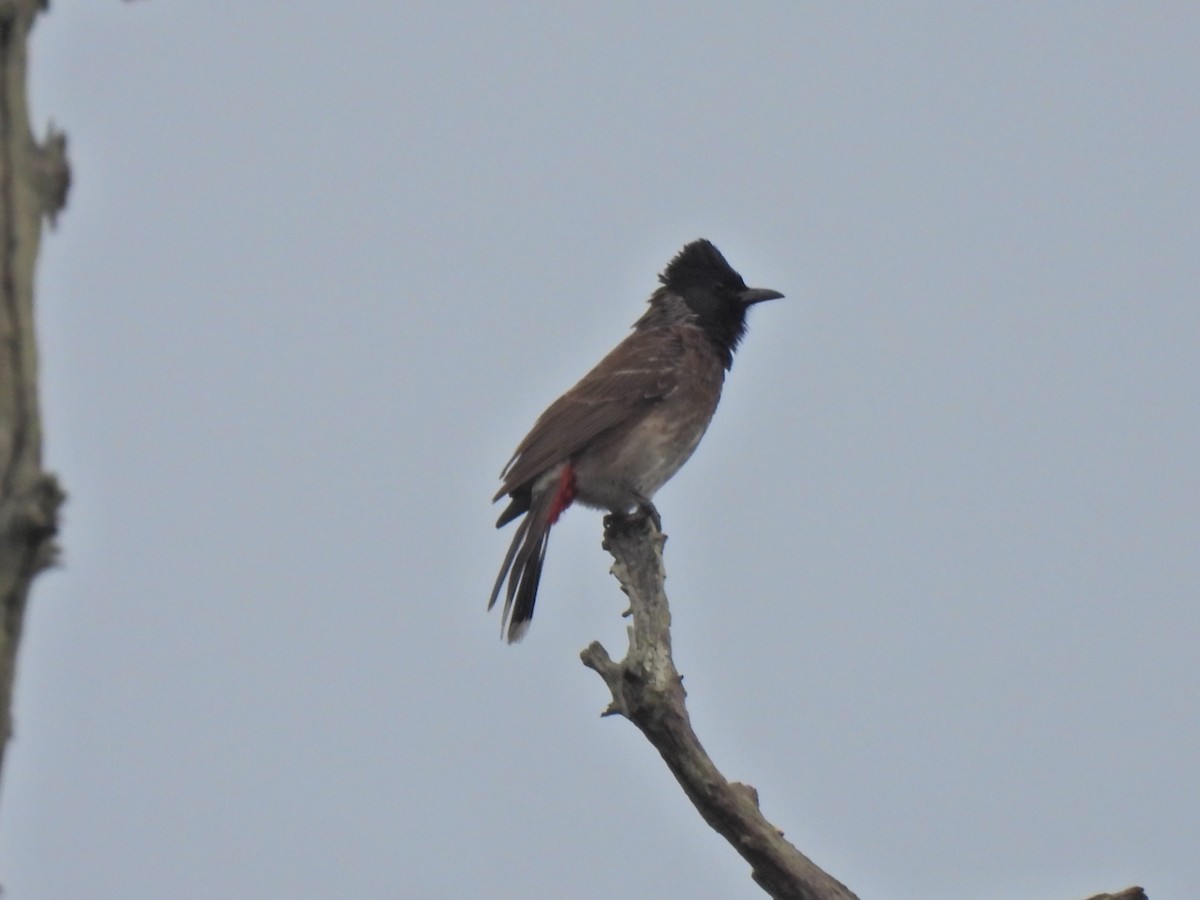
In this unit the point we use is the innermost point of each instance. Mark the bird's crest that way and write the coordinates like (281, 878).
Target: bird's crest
(700, 264)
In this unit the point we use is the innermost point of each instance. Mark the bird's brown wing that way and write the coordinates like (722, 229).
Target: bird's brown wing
(638, 373)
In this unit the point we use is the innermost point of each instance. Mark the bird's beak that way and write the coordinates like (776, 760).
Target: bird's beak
(758, 295)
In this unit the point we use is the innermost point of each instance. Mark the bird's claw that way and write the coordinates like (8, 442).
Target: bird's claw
(649, 511)
(645, 510)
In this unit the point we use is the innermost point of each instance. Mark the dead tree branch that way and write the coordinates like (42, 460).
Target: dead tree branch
(648, 691)
(34, 179)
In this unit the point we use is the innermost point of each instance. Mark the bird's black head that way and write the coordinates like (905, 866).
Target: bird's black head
(714, 292)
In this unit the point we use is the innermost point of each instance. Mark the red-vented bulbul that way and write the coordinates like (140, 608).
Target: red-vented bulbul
(616, 437)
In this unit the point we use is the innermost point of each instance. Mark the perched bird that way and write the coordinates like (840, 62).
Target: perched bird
(615, 438)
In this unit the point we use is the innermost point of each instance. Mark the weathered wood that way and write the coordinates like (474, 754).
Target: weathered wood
(648, 691)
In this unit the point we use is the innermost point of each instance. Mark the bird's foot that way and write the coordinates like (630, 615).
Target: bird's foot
(643, 512)
(647, 510)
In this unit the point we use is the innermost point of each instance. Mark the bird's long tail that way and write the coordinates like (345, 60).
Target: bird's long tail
(522, 565)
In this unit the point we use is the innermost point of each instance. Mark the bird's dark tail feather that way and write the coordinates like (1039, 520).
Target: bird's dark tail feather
(523, 569)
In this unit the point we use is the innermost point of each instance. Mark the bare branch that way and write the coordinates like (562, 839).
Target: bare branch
(33, 185)
(647, 690)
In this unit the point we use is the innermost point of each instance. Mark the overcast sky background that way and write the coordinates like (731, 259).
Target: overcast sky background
(934, 570)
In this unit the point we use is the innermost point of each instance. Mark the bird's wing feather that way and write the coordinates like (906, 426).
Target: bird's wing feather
(637, 374)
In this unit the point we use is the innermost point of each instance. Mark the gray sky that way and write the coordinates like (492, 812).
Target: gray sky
(934, 569)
